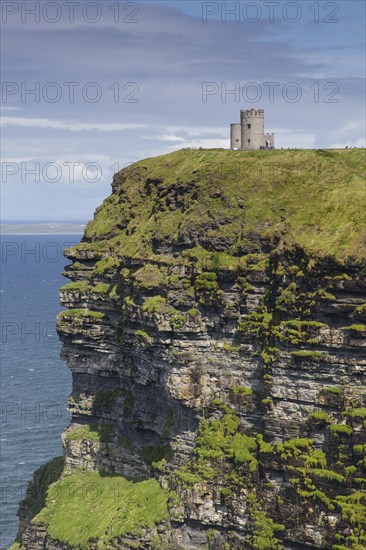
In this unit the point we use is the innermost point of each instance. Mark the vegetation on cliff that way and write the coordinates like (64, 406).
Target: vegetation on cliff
(312, 199)
(85, 506)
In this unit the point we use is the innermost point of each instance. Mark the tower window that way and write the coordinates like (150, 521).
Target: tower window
(249, 125)
(248, 140)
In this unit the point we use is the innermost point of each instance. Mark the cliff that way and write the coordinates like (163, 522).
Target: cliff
(215, 330)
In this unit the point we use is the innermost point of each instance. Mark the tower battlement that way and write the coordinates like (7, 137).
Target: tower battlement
(249, 135)
(252, 113)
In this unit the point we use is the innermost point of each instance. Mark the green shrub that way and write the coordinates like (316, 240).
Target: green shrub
(144, 337)
(327, 474)
(150, 276)
(177, 319)
(242, 390)
(186, 478)
(155, 304)
(357, 328)
(287, 298)
(193, 312)
(298, 443)
(230, 348)
(207, 281)
(355, 413)
(321, 416)
(100, 288)
(336, 429)
(106, 265)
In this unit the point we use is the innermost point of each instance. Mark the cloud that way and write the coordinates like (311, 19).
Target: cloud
(166, 137)
(8, 108)
(351, 134)
(199, 130)
(70, 126)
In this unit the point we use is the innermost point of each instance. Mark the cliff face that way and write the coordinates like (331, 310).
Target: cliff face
(215, 330)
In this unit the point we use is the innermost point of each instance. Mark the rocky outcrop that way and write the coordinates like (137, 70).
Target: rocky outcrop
(233, 375)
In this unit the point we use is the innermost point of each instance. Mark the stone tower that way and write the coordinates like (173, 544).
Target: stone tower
(249, 134)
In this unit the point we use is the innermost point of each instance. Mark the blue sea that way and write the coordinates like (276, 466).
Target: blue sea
(35, 383)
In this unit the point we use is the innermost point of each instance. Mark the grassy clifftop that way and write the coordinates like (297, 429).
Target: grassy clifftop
(314, 199)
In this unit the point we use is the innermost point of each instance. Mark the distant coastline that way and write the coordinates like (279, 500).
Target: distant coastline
(42, 228)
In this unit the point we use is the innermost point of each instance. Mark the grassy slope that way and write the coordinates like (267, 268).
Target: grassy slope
(87, 505)
(312, 198)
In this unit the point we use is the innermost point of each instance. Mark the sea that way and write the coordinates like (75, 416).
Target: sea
(35, 383)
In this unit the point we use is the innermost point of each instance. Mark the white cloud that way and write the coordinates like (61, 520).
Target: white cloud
(166, 137)
(351, 134)
(70, 126)
(9, 108)
(199, 130)
(17, 160)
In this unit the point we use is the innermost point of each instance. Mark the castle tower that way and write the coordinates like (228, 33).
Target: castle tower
(252, 129)
(249, 134)
(235, 136)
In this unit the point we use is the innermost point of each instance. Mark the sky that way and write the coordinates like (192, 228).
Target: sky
(89, 87)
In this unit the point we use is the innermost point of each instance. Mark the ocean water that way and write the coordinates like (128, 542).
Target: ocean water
(35, 383)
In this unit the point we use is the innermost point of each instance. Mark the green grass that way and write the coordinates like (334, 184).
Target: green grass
(333, 389)
(155, 304)
(297, 443)
(100, 288)
(81, 314)
(144, 336)
(321, 213)
(193, 312)
(87, 505)
(336, 429)
(78, 286)
(264, 528)
(307, 354)
(321, 416)
(150, 276)
(82, 286)
(297, 324)
(207, 281)
(106, 265)
(221, 447)
(357, 328)
(90, 432)
(356, 413)
(242, 390)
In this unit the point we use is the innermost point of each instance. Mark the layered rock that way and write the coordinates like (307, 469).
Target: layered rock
(215, 352)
